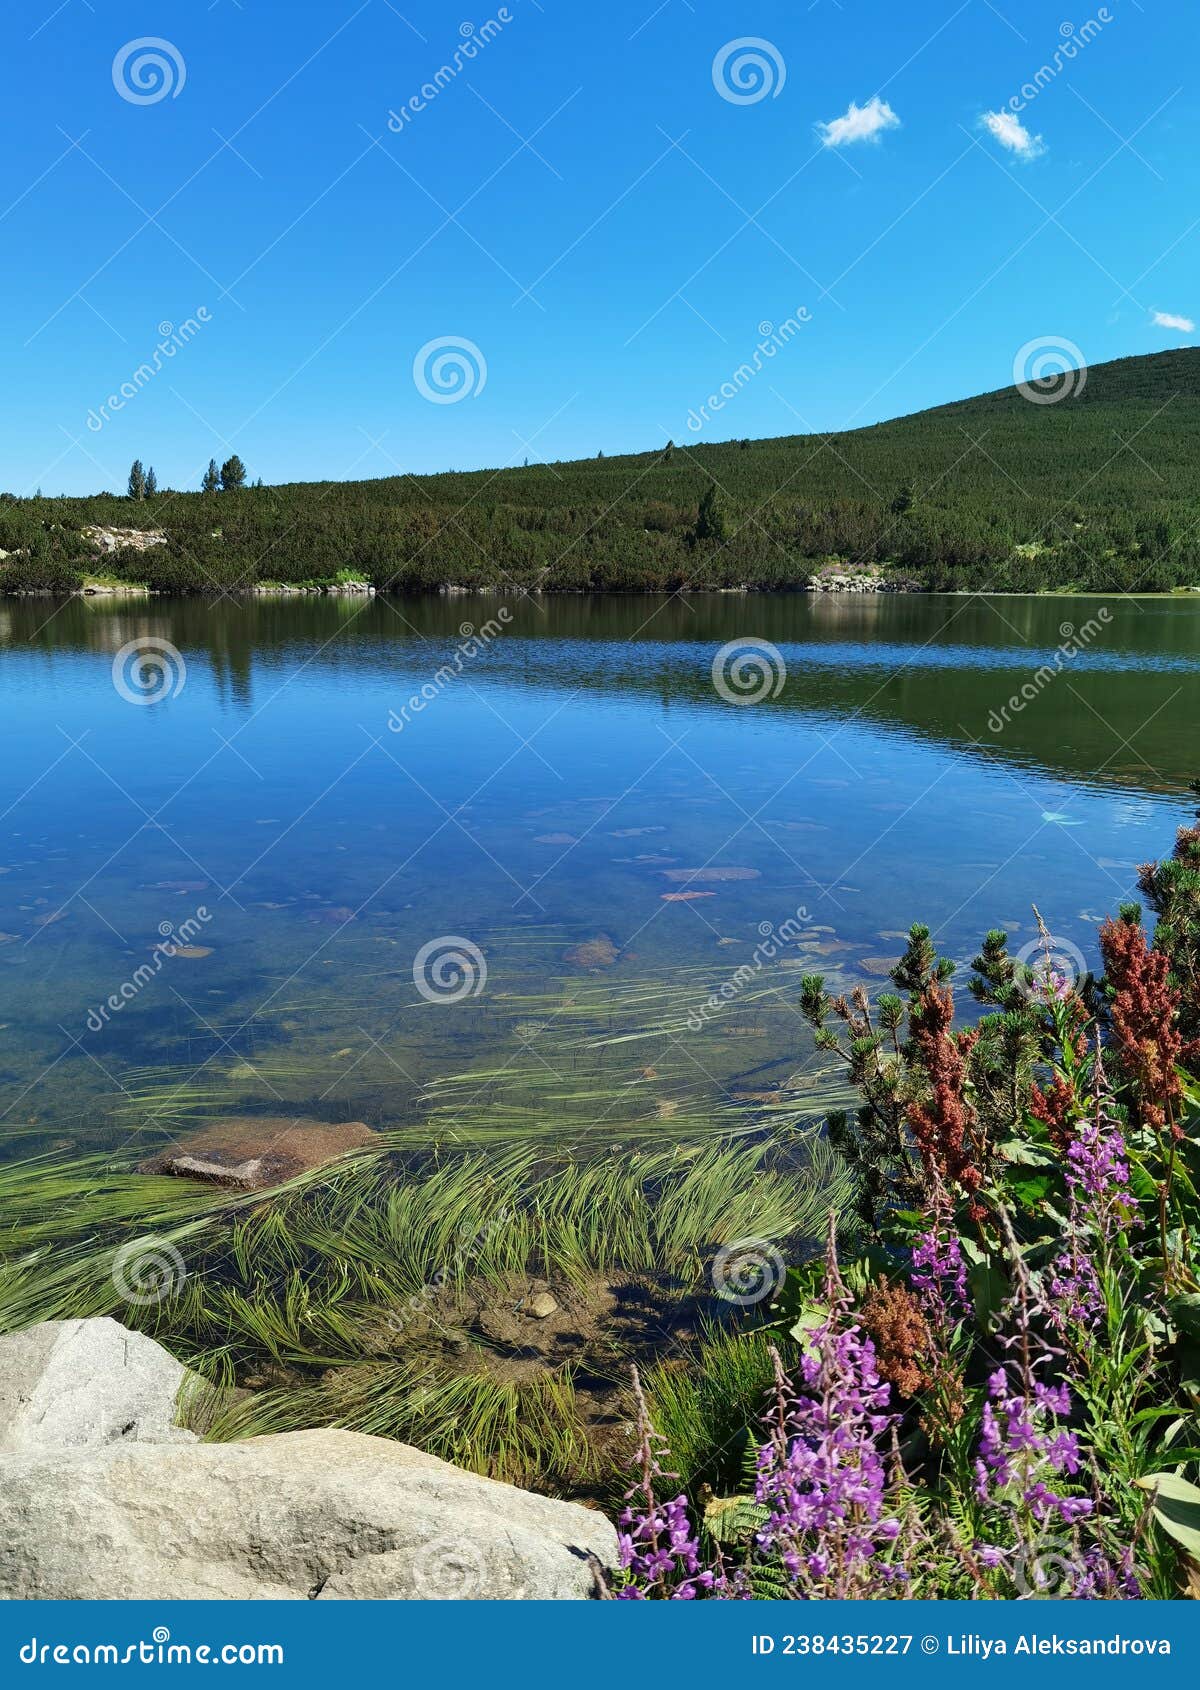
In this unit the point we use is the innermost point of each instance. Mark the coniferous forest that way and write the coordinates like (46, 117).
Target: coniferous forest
(1097, 490)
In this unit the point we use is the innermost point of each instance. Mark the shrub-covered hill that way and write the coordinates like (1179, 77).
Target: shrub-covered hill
(1099, 489)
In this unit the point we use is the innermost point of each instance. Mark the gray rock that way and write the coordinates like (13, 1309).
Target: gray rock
(542, 1305)
(73, 1383)
(299, 1515)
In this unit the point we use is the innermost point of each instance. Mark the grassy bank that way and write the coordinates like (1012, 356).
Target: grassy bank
(1095, 492)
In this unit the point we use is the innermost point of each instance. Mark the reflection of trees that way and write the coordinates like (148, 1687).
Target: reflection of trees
(888, 674)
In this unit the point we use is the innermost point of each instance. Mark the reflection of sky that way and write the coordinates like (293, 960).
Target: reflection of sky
(541, 799)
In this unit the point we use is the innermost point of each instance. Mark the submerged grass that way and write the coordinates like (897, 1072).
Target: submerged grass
(329, 1290)
(528, 1432)
(306, 1279)
(708, 1404)
(587, 1160)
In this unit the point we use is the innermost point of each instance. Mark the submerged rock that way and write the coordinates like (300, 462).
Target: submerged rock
(599, 952)
(712, 873)
(880, 965)
(300, 1515)
(252, 1152)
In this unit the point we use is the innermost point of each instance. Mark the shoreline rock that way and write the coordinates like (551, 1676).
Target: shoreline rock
(861, 583)
(293, 1516)
(69, 1384)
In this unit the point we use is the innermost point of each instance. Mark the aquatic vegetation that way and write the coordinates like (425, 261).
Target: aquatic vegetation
(359, 1295)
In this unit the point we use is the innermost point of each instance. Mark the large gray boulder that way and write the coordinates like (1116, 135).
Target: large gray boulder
(75, 1383)
(302, 1515)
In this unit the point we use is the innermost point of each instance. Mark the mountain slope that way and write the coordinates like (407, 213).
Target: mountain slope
(1098, 489)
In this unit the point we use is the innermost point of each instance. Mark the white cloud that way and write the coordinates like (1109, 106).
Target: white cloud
(1007, 128)
(1168, 320)
(860, 123)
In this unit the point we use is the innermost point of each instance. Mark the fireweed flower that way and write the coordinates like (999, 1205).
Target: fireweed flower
(1097, 1579)
(1101, 1205)
(939, 1275)
(821, 1474)
(1023, 1444)
(659, 1546)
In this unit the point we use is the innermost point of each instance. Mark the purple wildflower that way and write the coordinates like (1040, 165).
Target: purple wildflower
(659, 1546)
(939, 1275)
(1101, 1204)
(821, 1474)
(1097, 1579)
(1022, 1444)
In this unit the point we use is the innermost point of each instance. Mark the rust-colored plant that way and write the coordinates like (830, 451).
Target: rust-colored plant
(1144, 1012)
(943, 1123)
(903, 1342)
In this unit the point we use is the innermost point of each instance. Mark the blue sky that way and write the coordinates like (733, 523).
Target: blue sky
(581, 202)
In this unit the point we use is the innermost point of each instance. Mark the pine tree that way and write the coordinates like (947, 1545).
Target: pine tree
(137, 480)
(711, 520)
(233, 474)
(151, 482)
(212, 477)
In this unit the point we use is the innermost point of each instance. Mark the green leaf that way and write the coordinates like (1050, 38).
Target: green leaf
(1176, 1507)
(988, 1290)
(733, 1519)
(1020, 1150)
(1185, 1312)
(1029, 1190)
(811, 1318)
(1143, 1186)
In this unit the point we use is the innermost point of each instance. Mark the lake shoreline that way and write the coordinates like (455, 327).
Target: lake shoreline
(125, 591)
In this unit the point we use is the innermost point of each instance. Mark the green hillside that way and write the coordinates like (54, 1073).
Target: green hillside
(1099, 490)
